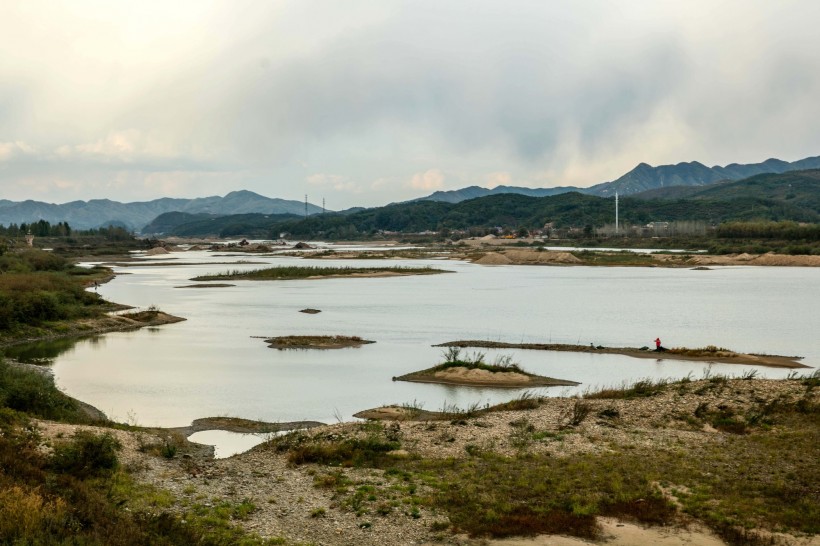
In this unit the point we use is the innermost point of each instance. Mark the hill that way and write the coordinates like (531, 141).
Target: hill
(643, 177)
(789, 196)
(183, 224)
(101, 212)
(801, 188)
(472, 192)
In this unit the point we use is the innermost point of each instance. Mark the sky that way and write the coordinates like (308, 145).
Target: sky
(366, 103)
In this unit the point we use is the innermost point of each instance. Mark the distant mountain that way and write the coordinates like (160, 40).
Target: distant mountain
(642, 178)
(183, 224)
(472, 192)
(791, 196)
(797, 188)
(645, 177)
(101, 212)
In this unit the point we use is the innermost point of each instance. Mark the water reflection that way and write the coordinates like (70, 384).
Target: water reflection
(43, 352)
(226, 444)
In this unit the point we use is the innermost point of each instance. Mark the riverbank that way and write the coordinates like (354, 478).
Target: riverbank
(706, 354)
(88, 327)
(592, 257)
(423, 481)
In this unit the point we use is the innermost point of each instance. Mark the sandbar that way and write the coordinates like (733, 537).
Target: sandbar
(722, 356)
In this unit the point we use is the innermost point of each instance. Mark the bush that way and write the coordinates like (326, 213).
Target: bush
(87, 454)
(35, 393)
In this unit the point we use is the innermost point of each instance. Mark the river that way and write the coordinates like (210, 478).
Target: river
(212, 365)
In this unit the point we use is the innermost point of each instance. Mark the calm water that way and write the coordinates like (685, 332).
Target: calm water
(211, 365)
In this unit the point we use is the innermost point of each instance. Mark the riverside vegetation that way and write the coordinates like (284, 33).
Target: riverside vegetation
(45, 296)
(297, 272)
(40, 291)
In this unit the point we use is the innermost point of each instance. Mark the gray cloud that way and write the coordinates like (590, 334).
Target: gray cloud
(359, 100)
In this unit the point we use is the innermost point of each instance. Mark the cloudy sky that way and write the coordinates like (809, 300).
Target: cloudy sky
(364, 103)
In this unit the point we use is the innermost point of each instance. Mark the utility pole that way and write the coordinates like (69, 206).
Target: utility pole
(616, 213)
(323, 205)
(305, 205)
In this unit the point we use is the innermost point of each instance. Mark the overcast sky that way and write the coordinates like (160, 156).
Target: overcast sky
(364, 103)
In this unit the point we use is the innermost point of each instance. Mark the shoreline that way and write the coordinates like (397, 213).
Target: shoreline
(97, 326)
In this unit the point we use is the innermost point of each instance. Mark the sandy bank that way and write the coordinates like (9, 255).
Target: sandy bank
(721, 356)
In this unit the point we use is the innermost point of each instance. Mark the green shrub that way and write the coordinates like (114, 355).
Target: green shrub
(35, 393)
(87, 454)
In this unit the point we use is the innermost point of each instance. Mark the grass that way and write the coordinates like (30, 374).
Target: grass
(709, 350)
(370, 450)
(453, 358)
(35, 394)
(639, 389)
(294, 272)
(41, 292)
(734, 483)
(760, 474)
(315, 342)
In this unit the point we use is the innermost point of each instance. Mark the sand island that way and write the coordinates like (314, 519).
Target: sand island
(473, 371)
(316, 342)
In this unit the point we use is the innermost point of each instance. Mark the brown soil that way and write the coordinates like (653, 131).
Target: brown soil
(493, 258)
(316, 342)
(721, 356)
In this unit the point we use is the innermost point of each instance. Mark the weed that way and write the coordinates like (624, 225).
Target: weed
(87, 454)
(579, 411)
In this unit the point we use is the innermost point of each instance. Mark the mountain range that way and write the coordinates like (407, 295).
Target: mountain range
(103, 212)
(642, 178)
(136, 216)
(793, 196)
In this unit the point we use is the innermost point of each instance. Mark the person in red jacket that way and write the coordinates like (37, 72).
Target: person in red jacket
(658, 346)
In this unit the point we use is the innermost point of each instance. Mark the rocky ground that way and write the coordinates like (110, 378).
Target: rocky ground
(301, 504)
